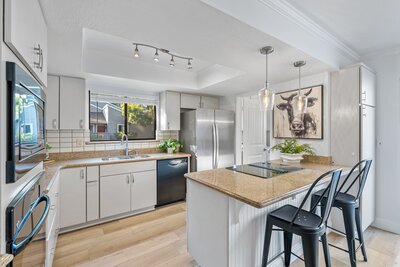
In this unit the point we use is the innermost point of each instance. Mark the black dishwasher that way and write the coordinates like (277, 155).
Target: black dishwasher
(171, 183)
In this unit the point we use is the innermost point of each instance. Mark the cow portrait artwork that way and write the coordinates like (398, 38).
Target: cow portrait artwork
(289, 123)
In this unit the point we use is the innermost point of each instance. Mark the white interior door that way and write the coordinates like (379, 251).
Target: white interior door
(253, 130)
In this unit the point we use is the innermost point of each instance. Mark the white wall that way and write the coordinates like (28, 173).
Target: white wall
(322, 147)
(387, 67)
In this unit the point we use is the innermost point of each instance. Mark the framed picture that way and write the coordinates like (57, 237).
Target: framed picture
(288, 124)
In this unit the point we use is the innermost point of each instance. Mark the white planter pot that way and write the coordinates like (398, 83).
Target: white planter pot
(170, 150)
(291, 158)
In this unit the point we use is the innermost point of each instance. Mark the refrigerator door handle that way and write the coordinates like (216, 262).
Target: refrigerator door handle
(216, 146)
(214, 156)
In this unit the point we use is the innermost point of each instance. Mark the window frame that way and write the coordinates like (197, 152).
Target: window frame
(126, 124)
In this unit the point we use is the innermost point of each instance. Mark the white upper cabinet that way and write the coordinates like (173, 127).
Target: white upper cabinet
(170, 113)
(25, 32)
(190, 101)
(72, 103)
(367, 86)
(210, 102)
(52, 102)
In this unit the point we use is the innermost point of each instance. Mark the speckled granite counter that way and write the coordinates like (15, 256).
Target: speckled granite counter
(259, 192)
(52, 169)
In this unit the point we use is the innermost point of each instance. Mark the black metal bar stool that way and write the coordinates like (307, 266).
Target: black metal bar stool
(349, 205)
(292, 220)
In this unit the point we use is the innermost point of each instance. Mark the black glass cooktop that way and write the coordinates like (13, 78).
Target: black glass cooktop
(264, 169)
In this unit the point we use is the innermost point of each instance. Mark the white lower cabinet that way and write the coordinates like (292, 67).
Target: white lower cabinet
(72, 196)
(143, 190)
(52, 221)
(115, 195)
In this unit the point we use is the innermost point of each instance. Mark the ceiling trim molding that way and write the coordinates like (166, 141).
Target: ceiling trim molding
(289, 11)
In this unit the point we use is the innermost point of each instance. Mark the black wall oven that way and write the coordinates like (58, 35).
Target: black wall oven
(25, 123)
(25, 218)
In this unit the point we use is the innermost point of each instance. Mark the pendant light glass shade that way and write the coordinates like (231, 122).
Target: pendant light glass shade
(300, 101)
(267, 99)
(266, 95)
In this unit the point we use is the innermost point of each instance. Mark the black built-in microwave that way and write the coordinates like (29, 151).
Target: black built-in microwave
(26, 132)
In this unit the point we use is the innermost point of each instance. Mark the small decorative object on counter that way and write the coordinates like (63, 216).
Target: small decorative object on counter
(170, 145)
(292, 151)
(48, 147)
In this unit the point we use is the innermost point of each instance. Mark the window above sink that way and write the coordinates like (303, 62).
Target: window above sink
(110, 117)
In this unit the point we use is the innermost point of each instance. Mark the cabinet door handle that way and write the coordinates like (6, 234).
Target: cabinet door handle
(133, 178)
(55, 124)
(82, 175)
(90, 182)
(81, 124)
(38, 51)
(41, 55)
(168, 125)
(127, 178)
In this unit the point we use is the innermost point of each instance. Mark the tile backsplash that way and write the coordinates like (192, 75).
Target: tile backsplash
(62, 141)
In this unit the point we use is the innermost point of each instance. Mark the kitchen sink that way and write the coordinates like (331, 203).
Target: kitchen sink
(125, 157)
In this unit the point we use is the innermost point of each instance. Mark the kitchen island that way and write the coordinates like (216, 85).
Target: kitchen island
(226, 213)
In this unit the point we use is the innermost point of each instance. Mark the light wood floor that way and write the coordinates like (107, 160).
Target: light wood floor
(158, 238)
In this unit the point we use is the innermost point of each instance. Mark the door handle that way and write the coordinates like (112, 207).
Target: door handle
(217, 145)
(133, 178)
(127, 178)
(89, 182)
(82, 175)
(214, 146)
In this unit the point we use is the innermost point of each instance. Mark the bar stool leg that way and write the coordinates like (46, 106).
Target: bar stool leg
(287, 240)
(267, 241)
(310, 249)
(360, 234)
(349, 225)
(326, 250)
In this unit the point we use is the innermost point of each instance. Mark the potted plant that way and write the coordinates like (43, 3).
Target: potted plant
(292, 151)
(170, 145)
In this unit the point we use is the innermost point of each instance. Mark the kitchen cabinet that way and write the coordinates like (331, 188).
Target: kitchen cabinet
(52, 102)
(72, 196)
(92, 193)
(115, 194)
(127, 187)
(25, 33)
(73, 97)
(52, 221)
(209, 102)
(143, 190)
(190, 101)
(170, 117)
(367, 78)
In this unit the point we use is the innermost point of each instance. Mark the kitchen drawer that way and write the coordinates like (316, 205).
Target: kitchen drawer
(120, 168)
(92, 173)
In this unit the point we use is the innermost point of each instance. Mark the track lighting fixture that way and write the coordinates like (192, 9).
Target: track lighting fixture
(136, 54)
(156, 56)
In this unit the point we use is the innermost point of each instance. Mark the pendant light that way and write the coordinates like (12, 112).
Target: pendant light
(266, 95)
(300, 101)
(156, 56)
(136, 54)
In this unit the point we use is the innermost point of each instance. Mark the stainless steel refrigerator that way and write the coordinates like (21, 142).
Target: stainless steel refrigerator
(209, 135)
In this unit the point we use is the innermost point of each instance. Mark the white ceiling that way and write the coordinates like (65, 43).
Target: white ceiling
(365, 25)
(189, 28)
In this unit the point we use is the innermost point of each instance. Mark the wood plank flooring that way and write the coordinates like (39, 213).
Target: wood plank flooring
(158, 238)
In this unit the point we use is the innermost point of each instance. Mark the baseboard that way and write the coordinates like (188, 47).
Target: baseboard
(387, 225)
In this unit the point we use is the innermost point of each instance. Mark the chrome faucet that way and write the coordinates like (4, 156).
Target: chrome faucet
(124, 138)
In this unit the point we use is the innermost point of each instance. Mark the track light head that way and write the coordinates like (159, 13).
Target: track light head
(156, 59)
(136, 54)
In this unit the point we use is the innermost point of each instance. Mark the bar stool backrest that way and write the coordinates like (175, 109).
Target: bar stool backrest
(331, 191)
(363, 170)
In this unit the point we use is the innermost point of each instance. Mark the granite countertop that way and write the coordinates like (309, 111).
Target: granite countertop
(259, 192)
(52, 169)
